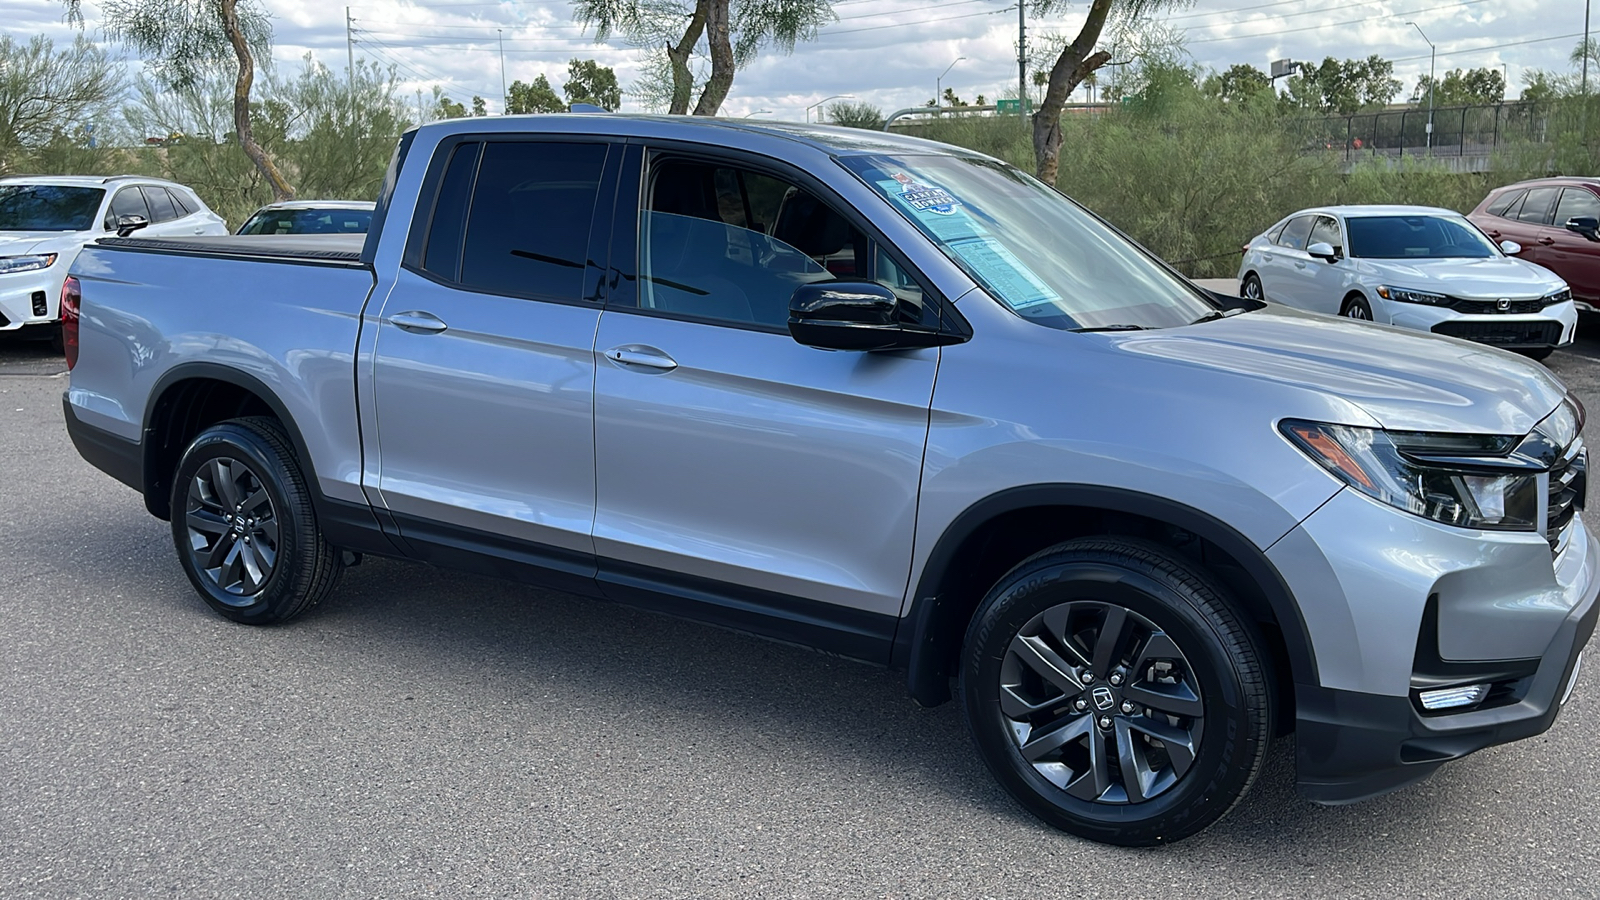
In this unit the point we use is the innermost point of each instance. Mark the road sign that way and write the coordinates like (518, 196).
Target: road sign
(1008, 107)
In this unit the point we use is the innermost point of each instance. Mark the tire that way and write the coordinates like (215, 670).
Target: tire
(1356, 307)
(58, 340)
(1252, 283)
(265, 561)
(1540, 353)
(1178, 646)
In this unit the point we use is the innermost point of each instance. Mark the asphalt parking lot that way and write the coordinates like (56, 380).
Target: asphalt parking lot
(431, 734)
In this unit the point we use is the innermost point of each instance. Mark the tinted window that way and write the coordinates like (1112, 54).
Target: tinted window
(1576, 202)
(1325, 231)
(1276, 230)
(732, 245)
(181, 203)
(528, 227)
(1417, 237)
(1536, 208)
(161, 208)
(127, 202)
(442, 254)
(309, 221)
(1295, 233)
(38, 207)
(1503, 202)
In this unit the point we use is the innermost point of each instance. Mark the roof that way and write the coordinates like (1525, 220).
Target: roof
(1556, 179)
(84, 180)
(321, 204)
(836, 140)
(1380, 209)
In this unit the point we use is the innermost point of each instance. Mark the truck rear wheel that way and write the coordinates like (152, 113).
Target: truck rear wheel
(244, 527)
(1115, 693)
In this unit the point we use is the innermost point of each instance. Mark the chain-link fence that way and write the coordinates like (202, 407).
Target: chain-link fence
(1454, 131)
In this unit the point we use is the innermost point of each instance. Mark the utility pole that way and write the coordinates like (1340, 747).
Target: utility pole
(419, 106)
(350, 49)
(1585, 48)
(505, 98)
(1022, 61)
(1431, 74)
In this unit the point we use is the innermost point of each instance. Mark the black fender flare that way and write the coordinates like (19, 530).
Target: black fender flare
(927, 636)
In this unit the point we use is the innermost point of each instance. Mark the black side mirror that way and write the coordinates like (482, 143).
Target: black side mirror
(1588, 226)
(855, 315)
(127, 225)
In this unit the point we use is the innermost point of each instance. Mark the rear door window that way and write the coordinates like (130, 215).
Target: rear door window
(527, 229)
(1576, 201)
(1295, 233)
(161, 208)
(1504, 202)
(1536, 208)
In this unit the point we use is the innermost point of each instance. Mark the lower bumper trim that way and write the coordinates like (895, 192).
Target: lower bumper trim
(116, 456)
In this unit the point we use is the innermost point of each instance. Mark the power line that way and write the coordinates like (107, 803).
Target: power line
(822, 33)
(1364, 19)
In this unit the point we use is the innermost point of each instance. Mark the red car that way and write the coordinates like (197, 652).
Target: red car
(1557, 222)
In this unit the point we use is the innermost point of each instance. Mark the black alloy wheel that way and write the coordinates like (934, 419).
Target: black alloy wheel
(1114, 690)
(244, 526)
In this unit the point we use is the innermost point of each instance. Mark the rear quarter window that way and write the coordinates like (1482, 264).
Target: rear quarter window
(1499, 205)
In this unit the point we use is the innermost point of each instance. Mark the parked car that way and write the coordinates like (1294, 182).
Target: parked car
(310, 217)
(46, 220)
(1413, 266)
(1144, 526)
(1557, 223)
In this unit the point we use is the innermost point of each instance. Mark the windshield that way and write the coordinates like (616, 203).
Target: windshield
(1031, 248)
(308, 221)
(44, 207)
(1417, 237)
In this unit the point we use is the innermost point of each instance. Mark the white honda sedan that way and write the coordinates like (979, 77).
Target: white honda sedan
(1412, 266)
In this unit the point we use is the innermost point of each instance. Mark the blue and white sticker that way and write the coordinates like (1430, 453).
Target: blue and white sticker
(926, 198)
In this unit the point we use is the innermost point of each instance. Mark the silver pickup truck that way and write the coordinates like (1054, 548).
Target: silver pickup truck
(885, 398)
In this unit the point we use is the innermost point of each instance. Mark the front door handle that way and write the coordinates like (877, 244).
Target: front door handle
(1547, 241)
(640, 355)
(1495, 235)
(417, 322)
(1299, 265)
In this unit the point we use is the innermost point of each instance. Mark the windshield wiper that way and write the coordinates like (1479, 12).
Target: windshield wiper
(1110, 328)
(1216, 314)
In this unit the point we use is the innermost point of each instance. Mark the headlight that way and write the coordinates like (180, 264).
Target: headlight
(1560, 296)
(10, 264)
(1478, 487)
(1409, 296)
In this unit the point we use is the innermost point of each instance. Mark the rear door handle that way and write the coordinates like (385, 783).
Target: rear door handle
(1547, 241)
(640, 355)
(418, 322)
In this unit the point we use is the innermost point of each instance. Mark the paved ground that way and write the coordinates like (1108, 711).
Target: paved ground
(429, 734)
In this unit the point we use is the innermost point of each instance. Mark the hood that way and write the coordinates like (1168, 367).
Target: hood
(1406, 380)
(18, 243)
(1491, 278)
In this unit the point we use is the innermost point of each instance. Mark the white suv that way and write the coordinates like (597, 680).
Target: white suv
(46, 220)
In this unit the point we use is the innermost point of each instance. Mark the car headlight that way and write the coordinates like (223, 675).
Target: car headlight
(10, 264)
(1405, 295)
(1466, 480)
(1560, 296)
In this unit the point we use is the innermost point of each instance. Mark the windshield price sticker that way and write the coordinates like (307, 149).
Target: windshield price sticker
(1004, 274)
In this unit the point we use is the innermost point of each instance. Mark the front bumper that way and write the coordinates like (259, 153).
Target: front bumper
(1553, 326)
(31, 298)
(1350, 746)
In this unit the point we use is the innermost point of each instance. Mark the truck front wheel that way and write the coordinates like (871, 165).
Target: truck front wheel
(244, 526)
(1114, 691)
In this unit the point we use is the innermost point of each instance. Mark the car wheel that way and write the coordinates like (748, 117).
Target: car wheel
(1250, 288)
(1356, 307)
(244, 527)
(1540, 353)
(1114, 692)
(58, 340)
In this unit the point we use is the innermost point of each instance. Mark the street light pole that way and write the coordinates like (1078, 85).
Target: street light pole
(938, 83)
(505, 98)
(1432, 53)
(825, 100)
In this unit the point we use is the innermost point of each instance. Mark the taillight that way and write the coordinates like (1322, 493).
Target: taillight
(71, 296)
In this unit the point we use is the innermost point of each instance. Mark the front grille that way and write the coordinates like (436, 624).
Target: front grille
(1491, 307)
(1504, 334)
(1568, 483)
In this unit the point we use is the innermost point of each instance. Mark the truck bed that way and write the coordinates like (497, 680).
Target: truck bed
(306, 249)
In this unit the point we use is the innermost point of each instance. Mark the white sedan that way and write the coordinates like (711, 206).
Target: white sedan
(1413, 266)
(46, 220)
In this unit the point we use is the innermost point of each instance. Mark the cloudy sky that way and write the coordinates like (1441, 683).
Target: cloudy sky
(889, 52)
